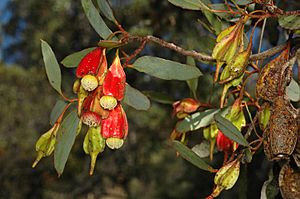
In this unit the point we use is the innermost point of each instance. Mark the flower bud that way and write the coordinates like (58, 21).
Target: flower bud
(76, 86)
(224, 143)
(226, 177)
(89, 82)
(183, 107)
(115, 128)
(46, 144)
(114, 82)
(108, 102)
(93, 144)
(90, 63)
(91, 119)
(82, 95)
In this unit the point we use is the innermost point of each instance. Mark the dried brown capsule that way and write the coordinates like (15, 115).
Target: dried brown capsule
(274, 77)
(280, 136)
(289, 182)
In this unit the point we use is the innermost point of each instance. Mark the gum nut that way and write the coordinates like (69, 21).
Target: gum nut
(89, 82)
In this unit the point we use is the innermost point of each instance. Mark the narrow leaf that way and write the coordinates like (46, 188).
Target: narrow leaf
(293, 91)
(192, 83)
(52, 67)
(106, 10)
(159, 97)
(136, 99)
(230, 130)
(191, 156)
(57, 110)
(65, 139)
(95, 19)
(198, 120)
(189, 4)
(72, 61)
(165, 69)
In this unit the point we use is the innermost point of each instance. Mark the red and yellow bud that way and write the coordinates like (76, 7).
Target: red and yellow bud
(91, 119)
(115, 128)
(114, 82)
(90, 63)
(183, 107)
(89, 82)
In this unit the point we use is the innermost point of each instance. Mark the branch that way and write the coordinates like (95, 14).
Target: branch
(202, 56)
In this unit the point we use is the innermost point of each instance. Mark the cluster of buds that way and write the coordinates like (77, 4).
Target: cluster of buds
(100, 91)
(229, 51)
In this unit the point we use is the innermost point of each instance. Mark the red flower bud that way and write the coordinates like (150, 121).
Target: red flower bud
(183, 107)
(224, 143)
(90, 63)
(114, 82)
(115, 127)
(91, 119)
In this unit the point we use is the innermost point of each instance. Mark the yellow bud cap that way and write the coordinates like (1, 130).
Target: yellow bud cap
(89, 82)
(108, 102)
(114, 143)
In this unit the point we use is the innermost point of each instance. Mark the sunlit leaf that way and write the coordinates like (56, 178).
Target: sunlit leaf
(52, 66)
(165, 69)
(293, 91)
(291, 22)
(202, 149)
(230, 130)
(159, 97)
(57, 110)
(95, 19)
(136, 99)
(191, 156)
(65, 139)
(198, 120)
(72, 61)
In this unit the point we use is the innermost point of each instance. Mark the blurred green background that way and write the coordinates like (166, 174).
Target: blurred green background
(146, 166)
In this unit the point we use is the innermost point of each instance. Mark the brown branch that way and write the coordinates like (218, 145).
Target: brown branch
(202, 56)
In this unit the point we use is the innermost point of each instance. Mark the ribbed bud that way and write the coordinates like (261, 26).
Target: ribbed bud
(108, 102)
(91, 119)
(89, 82)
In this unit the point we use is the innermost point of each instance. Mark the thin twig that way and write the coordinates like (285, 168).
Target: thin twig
(202, 56)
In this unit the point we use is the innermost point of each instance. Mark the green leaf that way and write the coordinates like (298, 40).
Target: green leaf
(291, 22)
(95, 19)
(106, 10)
(159, 97)
(52, 67)
(293, 91)
(198, 120)
(192, 83)
(72, 61)
(57, 110)
(136, 99)
(65, 139)
(189, 4)
(191, 156)
(165, 69)
(230, 130)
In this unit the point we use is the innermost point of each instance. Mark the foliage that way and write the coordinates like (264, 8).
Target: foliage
(233, 133)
